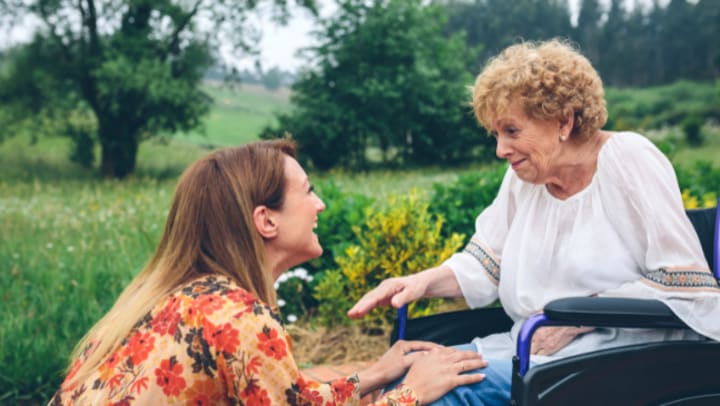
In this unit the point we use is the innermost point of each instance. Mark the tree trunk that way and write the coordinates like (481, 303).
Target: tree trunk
(119, 150)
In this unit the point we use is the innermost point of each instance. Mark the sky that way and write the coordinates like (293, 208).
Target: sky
(280, 44)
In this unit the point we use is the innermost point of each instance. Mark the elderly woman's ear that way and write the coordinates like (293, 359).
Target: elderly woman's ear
(566, 126)
(265, 223)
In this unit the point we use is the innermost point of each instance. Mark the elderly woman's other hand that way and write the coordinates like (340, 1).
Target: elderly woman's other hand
(549, 340)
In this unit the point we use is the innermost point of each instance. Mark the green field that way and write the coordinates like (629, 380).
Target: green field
(710, 150)
(239, 114)
(70, 241)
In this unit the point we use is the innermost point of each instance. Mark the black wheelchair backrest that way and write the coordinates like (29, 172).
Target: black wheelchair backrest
(707, 226)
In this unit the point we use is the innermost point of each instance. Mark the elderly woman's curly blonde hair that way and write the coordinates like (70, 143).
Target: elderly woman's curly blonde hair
(550, 80)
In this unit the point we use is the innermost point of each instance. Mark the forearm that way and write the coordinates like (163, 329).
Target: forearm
(371, 380)
(440, 282)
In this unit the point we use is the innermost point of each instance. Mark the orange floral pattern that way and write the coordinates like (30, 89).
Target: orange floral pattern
(210, 343)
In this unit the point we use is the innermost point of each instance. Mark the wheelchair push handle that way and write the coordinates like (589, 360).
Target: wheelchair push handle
(402, 321)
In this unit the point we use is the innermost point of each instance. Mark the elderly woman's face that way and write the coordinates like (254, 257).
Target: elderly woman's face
(531, 146)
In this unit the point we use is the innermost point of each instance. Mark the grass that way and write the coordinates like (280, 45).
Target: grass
(709, 151)
(383, 183)
(68, 248)
(71, 241)
(239, 115)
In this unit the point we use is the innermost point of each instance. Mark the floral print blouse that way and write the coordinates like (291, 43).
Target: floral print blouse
(211, 342)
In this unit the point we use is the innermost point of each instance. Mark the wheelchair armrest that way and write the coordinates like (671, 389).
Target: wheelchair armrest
(612, 312)
(595, 312)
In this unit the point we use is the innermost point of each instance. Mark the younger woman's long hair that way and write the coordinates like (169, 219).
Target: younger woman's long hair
(209, 231)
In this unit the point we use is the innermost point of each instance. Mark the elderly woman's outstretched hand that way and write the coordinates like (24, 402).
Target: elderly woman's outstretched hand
(394, 291)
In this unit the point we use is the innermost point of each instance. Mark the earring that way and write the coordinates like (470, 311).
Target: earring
(563, 138)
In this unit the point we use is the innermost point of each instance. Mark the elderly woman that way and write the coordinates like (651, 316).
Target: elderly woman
(580, 212)
(199, 325)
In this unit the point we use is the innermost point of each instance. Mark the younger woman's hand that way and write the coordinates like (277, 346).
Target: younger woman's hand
(393, 364)
(437, 371)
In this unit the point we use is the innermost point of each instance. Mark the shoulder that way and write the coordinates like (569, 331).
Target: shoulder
(631, 156)
(631, 168)
(219, 299)
(206, 301)
(627, 144)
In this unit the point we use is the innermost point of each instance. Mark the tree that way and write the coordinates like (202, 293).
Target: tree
(588, 32)
(129, 68)
(272, 79)
(680, 41)
(386, 77)
(707, 14)
(499, 23)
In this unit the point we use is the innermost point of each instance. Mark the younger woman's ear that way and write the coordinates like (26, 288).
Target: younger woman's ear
(264, 222)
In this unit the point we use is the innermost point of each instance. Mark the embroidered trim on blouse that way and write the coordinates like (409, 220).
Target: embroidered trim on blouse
(488, 262)
(682, 278)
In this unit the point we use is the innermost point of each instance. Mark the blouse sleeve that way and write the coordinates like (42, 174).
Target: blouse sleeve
(477, 266)
(643, 187)
(255, 360)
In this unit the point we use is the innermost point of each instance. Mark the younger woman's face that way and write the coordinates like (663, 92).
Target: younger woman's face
(297, 218)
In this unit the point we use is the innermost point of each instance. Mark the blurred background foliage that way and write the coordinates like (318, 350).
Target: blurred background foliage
(386, 86)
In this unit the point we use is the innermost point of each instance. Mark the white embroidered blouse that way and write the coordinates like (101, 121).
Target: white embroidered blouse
(626, 234)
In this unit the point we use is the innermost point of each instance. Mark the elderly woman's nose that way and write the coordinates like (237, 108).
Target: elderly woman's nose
(502, 150)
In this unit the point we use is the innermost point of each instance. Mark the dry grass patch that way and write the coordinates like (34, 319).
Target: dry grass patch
(317, 345)
(338, 345)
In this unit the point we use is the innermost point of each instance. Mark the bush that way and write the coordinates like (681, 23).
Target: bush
(294, 294)
(461, 202)
(698, 181)
(709, 199)
(398, 239)
(660, 106)
(343, 210)
(692, 128)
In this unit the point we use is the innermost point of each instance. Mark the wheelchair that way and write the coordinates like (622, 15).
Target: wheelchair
(675, 373)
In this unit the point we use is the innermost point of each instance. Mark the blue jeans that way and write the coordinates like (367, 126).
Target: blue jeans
(494, 390)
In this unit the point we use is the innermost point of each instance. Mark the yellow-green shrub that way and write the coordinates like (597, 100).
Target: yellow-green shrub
(691, 201)
(399, 238)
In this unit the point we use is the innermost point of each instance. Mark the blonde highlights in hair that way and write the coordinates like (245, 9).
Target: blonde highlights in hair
(209, 231)
(549, 80)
